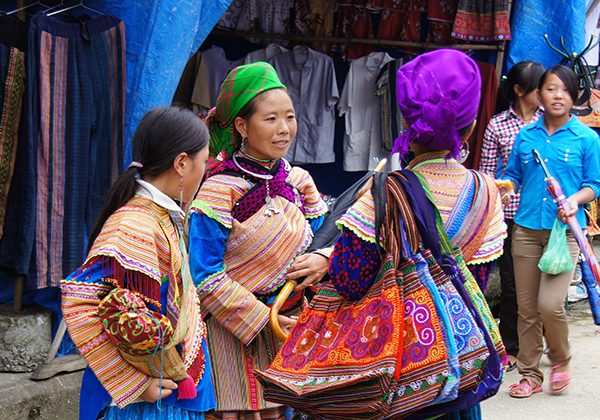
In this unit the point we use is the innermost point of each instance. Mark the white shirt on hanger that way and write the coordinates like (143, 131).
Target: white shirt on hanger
(361, 108)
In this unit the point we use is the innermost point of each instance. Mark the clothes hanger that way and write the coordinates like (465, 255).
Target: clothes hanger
(27, 6)
(80, 4)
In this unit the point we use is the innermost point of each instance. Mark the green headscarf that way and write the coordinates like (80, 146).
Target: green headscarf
(241, 85)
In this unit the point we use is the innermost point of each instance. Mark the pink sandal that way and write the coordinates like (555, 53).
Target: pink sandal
(524, 389)
(559, 381)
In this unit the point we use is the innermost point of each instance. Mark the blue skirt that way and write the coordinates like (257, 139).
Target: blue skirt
(150, 411)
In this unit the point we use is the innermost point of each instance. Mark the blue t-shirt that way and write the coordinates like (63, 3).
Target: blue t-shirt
(572, 155)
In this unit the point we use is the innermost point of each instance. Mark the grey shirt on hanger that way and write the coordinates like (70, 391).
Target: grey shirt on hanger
(310, 78)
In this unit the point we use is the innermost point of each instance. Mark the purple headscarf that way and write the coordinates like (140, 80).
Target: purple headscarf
(438, 94)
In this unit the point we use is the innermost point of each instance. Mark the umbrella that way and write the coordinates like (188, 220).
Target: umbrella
(326, 236)
(592, 268)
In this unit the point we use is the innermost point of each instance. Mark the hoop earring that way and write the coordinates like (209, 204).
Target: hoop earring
(181, 191)
(464, 153)
(243, 144)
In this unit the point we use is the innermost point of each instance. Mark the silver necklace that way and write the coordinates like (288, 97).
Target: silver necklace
(271, 208)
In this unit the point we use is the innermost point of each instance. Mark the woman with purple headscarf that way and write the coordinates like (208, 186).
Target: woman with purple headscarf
(438, 94)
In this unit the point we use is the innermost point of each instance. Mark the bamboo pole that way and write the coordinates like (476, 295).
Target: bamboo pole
(366, 41)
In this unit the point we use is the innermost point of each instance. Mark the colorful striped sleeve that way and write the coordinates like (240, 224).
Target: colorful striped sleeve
(236, 308)
(81, 295)
(314, 206)
(360, 218)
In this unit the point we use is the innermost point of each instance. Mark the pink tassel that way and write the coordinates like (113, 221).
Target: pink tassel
(186, 389)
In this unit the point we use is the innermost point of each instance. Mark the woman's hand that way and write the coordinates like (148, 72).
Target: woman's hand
(507, 190)
(584, 195)
(312, 266)
(287, 323)
(564, 212)
(153, 392)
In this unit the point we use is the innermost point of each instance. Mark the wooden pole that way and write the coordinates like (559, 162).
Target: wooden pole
(18, 293)
(366, 41)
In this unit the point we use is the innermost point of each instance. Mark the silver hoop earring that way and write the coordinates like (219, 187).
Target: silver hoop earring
(243, 144)
(464, 153)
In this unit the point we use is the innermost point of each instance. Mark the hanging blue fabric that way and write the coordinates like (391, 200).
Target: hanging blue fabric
(534, 18)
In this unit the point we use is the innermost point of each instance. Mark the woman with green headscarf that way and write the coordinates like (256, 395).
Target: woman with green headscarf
(250, 224)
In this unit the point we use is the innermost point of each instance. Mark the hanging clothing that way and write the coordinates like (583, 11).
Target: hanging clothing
(487, 20)
(440, 16)
(239, 259)
(487, 106)
(266, 16)
(361, 108)
(315, 18)
(391, 117)
(213, 70)
(73, 148)
(140, 248)
(13, 44)
(188, 81)
(310, 79)
(266, 54)
(401, 20)
(354, 21)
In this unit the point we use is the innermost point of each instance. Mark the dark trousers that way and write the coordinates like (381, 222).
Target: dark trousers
(508, 297)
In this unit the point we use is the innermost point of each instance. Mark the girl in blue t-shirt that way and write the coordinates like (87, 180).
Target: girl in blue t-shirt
(571, 152)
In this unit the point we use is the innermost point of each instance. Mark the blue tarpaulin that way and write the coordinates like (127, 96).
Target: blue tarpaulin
(534, 18)
(161, 35)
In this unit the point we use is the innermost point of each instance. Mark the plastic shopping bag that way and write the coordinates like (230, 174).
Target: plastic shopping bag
(556, 258)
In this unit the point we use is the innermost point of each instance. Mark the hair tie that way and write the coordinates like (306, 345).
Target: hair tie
(135, 164)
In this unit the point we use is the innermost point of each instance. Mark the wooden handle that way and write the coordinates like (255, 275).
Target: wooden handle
(285, 292)
(380, 165)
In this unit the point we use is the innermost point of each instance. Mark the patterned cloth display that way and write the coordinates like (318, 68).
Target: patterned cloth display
(486, 20)
(13, 34)
(449, 357)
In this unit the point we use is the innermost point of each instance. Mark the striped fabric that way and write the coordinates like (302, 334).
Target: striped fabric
(141, 237)
(11, 103)
(80, 309)
(360, 218)
(130, 236)
(80, 91)
(447, 180)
